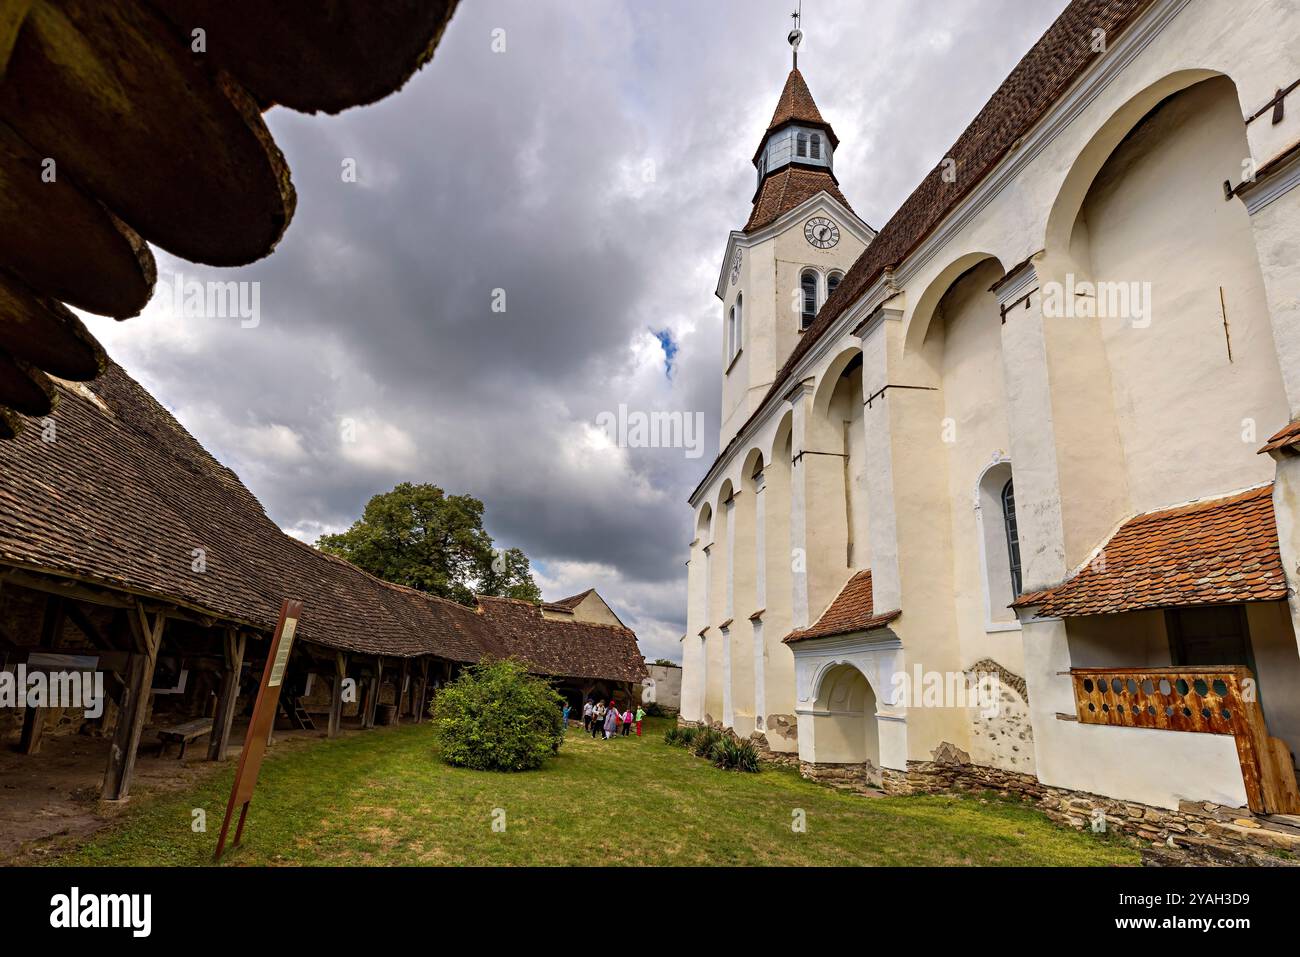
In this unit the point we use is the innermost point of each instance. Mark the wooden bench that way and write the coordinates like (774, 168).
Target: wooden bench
(183, 734)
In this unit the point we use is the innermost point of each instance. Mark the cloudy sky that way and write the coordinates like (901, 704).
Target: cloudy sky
(591, 171)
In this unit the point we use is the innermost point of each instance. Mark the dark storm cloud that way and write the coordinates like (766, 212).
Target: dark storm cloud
(592, 172)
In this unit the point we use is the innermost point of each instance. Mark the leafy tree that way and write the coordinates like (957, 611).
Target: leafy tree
(421, 537)
(497, 717)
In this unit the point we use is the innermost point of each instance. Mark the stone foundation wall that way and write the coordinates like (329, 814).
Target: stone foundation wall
(785, 759)
(865, 777)
(1195, 832)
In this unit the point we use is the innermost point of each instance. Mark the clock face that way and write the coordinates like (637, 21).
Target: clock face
(821, 232)
(735, 267)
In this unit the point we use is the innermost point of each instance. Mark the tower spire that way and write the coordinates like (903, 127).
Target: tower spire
(796, 35)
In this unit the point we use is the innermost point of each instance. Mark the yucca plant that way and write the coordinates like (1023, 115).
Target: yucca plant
(704, 741)
(732, 754)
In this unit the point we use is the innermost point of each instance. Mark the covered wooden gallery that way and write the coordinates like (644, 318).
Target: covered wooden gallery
(127, 549)
(93, 93)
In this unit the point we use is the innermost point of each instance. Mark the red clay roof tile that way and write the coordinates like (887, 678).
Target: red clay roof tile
(1217, 551)
(785, 189)
(851, 611)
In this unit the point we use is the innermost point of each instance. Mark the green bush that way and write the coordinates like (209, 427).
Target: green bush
(673, 736)
(704, 740)
(732, 754)
(497, 717)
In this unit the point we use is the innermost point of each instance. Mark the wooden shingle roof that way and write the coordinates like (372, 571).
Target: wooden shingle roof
(118, 131)
(112, 491)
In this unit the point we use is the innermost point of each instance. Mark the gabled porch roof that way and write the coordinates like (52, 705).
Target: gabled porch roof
(852, 611)
(1217, 551)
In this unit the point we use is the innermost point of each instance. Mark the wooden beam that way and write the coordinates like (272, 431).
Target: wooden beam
(234, 643)
(422, 692)
(130, 722)
(51, 633)
(12, 14)
(376, 686)
(53, 586)
(403, 679)
(336, 694)
(87, 627)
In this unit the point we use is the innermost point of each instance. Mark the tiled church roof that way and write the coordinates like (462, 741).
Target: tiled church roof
(1040, 78)
(796, 106)
(1213, 552)
(573, 601)
(1283, 439)
(785, 189)
(111, 490)
(852, 611)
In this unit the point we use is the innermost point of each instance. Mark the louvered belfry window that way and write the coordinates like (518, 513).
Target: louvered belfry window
(808, 283)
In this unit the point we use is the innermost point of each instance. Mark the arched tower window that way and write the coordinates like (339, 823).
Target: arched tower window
(735, 328)
(801, 144)
(832, 281)
(738, 326)
(815, 146)
(1013, 535)
(808, 311)
(731, 334)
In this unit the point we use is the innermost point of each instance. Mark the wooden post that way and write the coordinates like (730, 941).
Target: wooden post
(402, 680)
(422, 691)
(376, 686)
(130, 722)
(219, 739)
(51, 631)
(336, 695)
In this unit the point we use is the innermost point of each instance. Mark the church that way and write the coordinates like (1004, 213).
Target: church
(1009, 491)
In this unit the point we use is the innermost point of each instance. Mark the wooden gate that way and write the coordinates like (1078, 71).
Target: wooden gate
(1205, 700)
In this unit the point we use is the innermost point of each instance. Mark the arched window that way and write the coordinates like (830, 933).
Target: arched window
(801, 144)
(1013, 536)
(999, 543)
(832, 281)
(808, 311)
(730, 344)
(815, 146)
(738, 329)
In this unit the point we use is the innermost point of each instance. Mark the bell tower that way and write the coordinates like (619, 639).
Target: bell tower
(800, 240)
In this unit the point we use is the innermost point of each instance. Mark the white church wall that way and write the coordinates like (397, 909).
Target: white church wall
(1070, 429)
(1156, 214)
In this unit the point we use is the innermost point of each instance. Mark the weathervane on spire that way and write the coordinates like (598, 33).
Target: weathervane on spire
(796, 35)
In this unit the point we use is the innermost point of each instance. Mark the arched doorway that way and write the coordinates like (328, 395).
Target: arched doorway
(844, 720)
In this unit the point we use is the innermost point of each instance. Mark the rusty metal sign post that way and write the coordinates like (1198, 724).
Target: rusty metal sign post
(259, 728)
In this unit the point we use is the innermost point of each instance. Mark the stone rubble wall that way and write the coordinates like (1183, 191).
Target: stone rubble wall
(1195, 832)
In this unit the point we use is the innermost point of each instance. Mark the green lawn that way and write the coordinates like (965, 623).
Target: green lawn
(384, 798)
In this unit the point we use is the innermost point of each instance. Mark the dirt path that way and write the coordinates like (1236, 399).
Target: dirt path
(51, 799)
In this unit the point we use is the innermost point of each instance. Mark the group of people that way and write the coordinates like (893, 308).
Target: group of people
(611, 719)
